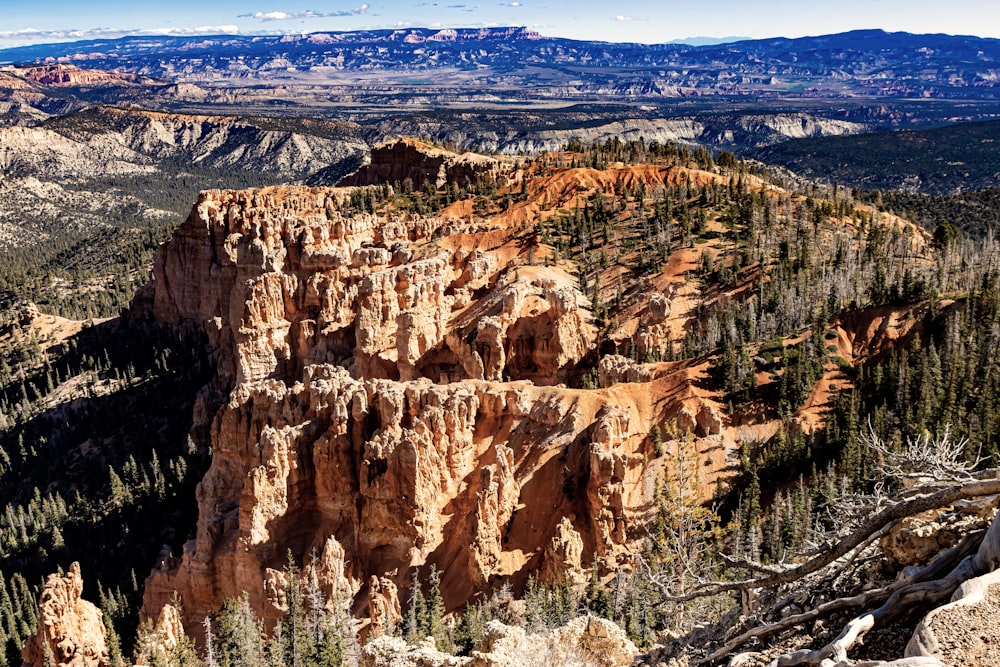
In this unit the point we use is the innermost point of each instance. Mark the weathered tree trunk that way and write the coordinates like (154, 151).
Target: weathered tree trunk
(921, 651)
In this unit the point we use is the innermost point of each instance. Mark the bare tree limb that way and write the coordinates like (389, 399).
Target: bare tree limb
(986, 558)
(753, 566)
(944, 561)
(925, 459)
(860, 535)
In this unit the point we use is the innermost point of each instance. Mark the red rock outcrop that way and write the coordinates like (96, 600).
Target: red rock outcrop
(395, 399)
(384, 612)
(419, 162)
(71, 75)
(70, 630)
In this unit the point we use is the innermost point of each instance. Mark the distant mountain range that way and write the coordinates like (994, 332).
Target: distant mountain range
(707, 41)
(508, 90)
(518, 63)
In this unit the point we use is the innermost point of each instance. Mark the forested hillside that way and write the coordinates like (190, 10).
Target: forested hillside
(976, 212)
(95, 457)
(939, 161)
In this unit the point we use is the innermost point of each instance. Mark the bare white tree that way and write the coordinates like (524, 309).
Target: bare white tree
(929, 473)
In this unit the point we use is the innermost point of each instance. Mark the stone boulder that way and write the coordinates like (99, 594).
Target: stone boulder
(584, 641)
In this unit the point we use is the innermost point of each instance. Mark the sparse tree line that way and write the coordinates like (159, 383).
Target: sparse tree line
(317, 630)
(84, 273)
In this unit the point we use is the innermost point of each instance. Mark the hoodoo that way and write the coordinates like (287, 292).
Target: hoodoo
(395, 398)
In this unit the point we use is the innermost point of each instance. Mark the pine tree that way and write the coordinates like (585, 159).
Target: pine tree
(598, 597)
(297, 646)
(416, 628)
(751, 514)
(48, 658)
(434, 610)
(237, 635)
(563, 601)
(535, 605)
(209, 648)
(686, 530)
(120, 495)
(115, 656)
(470, 628)
(9, 623)
(276, 649)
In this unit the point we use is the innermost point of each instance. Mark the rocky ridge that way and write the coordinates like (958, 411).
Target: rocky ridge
(135, 140)
(71, 75)
(396, 396)
(92, 170)
(419, 162)
(368, 418)
(29, 95)
(726, 132)
(585, 640)
(397, 390)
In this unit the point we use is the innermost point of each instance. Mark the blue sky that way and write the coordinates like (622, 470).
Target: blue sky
(32, 21)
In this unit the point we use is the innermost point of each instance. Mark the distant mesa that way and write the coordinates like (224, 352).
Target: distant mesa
(707, 41)
(522, 64)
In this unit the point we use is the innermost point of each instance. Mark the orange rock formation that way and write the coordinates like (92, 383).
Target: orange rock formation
(70, 630)
(420, 162)
(394, 400)
(71, 75)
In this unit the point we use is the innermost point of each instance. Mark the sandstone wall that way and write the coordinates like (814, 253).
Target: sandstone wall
(395, 397)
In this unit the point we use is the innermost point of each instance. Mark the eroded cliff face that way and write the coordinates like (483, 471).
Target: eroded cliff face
(396, 398)
(71, 75)
(70, 630)
(419, 162)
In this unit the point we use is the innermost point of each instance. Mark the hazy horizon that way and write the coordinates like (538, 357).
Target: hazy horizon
(42, 21)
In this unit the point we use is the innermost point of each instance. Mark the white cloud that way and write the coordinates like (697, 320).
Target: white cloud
(33, 35)
(623, 18)
(304, 14)
(201, 30)
(510, 4)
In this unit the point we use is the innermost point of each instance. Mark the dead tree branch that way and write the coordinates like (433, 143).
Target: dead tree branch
(943, 562)
(986, 559)
(862, 534)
